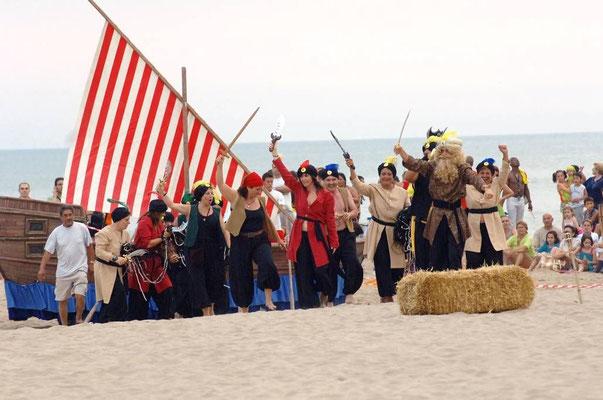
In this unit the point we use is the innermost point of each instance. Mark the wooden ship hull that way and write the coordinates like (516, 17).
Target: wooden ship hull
(25, 226)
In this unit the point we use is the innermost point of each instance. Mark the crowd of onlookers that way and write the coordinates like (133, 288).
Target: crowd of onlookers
(55, 197)
(577, 243)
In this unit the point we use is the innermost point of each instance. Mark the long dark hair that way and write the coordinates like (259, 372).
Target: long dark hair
(555, 236)
(243, 192)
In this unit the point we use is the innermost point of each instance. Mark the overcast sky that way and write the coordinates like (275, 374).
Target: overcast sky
(480, 67)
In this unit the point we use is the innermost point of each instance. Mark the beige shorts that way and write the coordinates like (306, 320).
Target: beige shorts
(65, 287)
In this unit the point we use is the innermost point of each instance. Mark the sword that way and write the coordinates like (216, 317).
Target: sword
(403, 126)
(346, 155)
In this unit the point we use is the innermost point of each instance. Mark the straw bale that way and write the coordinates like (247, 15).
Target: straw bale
(487, 289)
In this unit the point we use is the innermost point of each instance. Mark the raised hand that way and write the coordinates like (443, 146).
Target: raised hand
(350, 163)
(220, 159)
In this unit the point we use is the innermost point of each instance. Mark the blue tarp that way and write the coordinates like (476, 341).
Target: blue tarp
(37, 299)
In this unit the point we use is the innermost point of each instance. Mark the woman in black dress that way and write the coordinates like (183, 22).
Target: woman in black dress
(205, 240)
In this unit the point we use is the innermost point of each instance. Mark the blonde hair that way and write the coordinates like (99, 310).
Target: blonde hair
(446, 170)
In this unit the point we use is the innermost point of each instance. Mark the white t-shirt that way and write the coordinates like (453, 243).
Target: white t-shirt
(280, 199)
(70, 246)
(278, 182)
(576, 193)
(592, 235)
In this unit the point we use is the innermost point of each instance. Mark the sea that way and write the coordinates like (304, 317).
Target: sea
(539, 154)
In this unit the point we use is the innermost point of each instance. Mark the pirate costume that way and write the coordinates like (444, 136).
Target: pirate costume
(344, 262)
(151, 280)
(108, 275)
(487, 241)
(251, 232)
(446, 226)
(310, 250)
(380, 250)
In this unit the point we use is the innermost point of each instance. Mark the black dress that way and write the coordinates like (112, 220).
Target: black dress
(205, 261)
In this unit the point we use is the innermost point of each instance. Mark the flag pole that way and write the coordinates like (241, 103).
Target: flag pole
(185, 166)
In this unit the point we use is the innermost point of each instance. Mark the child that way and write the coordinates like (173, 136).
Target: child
(590, 212)
(585, 254)
(578, 194)
(569, 218)
(544, 258)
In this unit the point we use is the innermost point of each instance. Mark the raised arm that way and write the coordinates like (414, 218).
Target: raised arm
(505, 169)
(291, 181)
(180, 208)
(229, 193)
(225, 232)
(420, 166)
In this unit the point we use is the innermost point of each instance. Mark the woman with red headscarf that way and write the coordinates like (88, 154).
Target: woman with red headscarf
(314, 234)
(251, 230)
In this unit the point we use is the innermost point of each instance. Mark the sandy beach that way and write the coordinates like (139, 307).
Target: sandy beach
(551, 350)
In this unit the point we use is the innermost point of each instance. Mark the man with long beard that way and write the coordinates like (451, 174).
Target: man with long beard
(448, 173)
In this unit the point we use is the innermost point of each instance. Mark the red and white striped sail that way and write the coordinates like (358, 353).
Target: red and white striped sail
(129, 129)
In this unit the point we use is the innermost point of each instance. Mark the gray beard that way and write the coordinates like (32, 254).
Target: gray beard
(446, 171)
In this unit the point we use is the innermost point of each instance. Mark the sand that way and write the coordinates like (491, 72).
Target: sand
(551, 350)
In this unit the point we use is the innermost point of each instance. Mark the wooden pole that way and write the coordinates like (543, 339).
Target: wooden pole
(243, 128)
(185, 164)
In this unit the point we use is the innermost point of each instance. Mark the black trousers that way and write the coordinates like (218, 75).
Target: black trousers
(243, 252)
(117, 308)
(181, 284)
(206, 277)
(344, 263)
(487, 254)
(138, 308)
(309, 278)
(445, 252)
(422, 247)
(387, 277)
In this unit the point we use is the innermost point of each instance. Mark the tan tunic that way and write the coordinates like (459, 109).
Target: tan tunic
(492, 220)
(449, 193)
(385, 205)
(237, 218)
(108, 243)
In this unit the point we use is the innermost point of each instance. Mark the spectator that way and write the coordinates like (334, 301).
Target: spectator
(587, 230)
(565, 196)
(567, 248)
(594, 184)
(540, 235)
(543, 256)
(57, 191)
(578, 194)
(268, 179)
(585, 254)
(24, 190)
(521, 251)
(506, 222)
(72, 244)
(569, 218)
(590, 212)
(518, 182)
(599, 254)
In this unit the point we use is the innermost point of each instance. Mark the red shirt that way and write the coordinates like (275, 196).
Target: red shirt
(153, 263)
(322, 209)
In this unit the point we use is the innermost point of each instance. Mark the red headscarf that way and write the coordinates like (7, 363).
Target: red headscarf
(252, 180)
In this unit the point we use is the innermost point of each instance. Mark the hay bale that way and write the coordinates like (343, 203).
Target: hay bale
(487, 289)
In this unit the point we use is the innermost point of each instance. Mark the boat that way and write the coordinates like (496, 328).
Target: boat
(24, 228)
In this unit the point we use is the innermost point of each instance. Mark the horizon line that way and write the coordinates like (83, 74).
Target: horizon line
(355, 139)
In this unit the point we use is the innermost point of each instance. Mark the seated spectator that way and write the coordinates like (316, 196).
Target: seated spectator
(585, 254)
(587, 230)
(520, 251)
(540, 235)
(24, 190)
(506, 222)
(567, 248)
(543, 257)
(599, 254)
(578, 194)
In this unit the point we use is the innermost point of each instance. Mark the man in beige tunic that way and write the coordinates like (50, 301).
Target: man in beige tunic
(448, 174)
(109, 267)
(487, 241)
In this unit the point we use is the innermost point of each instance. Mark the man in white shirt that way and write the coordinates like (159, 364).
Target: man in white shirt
(539, 237)
(268, 180)
(72, 244)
